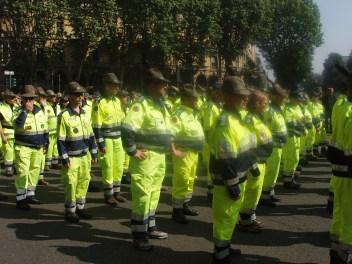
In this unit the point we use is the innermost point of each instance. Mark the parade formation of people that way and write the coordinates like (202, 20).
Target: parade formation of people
(243, 136)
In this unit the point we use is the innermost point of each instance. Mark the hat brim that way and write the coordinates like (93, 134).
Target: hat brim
(28, 95)
(78, 91)
(243, 92)
(163, 80)
(114, 82)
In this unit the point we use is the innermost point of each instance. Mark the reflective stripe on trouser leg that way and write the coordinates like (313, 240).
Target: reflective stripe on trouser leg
(117, 187)
(76, 179)
(253, 191)
(8, 153)
(184, 172)
(341, 227)
(112, 161)
(272, 170)
(225, 216)
(21, 194)
(146, 180)
(108, 190)
(206, 160)
(290, 157)
(70, 207)
(28, 161)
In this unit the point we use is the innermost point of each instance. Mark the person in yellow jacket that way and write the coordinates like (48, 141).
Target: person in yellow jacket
(290, 152)
(232, 147)
(53, 110)
(317, 121)
(31, 142)
(340, 156)
(107, 115)
(146, 137)
(257, 105)
(337, 110)
(124, 97)
(209, 114)
(8, 112)
(306, 139)
(77, 150)
(3, 138)
(275, 120)
(188, 142)
(42, 102)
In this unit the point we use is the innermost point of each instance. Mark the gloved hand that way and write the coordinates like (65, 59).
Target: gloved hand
(234, 191)
(255, 170)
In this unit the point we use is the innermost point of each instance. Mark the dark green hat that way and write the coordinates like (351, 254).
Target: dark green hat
(110, 78)
(234, 85)
(189, 90)
(74, 88)
(51, 93)
(8, 94)
(29, 91)
(41, 91)
(154, 74)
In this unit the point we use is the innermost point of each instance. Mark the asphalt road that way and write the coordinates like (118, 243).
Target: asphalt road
(295, 232)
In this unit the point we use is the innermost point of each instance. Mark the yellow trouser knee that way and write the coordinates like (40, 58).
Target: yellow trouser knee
(76, 181)
(185, 169)
(28, 164)
(112, 165)
(146, 180)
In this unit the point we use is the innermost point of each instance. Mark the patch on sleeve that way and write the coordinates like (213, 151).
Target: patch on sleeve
(174, 120)
(136, 108)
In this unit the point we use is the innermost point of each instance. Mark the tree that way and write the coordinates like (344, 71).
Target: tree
(198, 32)
(30, 28)
(241, 22)
(147, 33)
(294, 31)
(331, 76)
(92, 22)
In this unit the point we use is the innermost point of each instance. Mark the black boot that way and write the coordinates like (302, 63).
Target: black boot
(32, 200)
(187, 210)
(23, 205)
(292, 185)
(83, 215)
(71, 217)
(142, 244)
(178, 216)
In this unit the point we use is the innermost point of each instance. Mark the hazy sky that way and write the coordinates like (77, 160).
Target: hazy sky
(336, 19)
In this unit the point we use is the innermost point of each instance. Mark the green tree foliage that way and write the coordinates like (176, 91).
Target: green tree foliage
(241, 22)
(331, 76)
(294, 31)
(31, 28)
(198, 32)
(92, 22)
